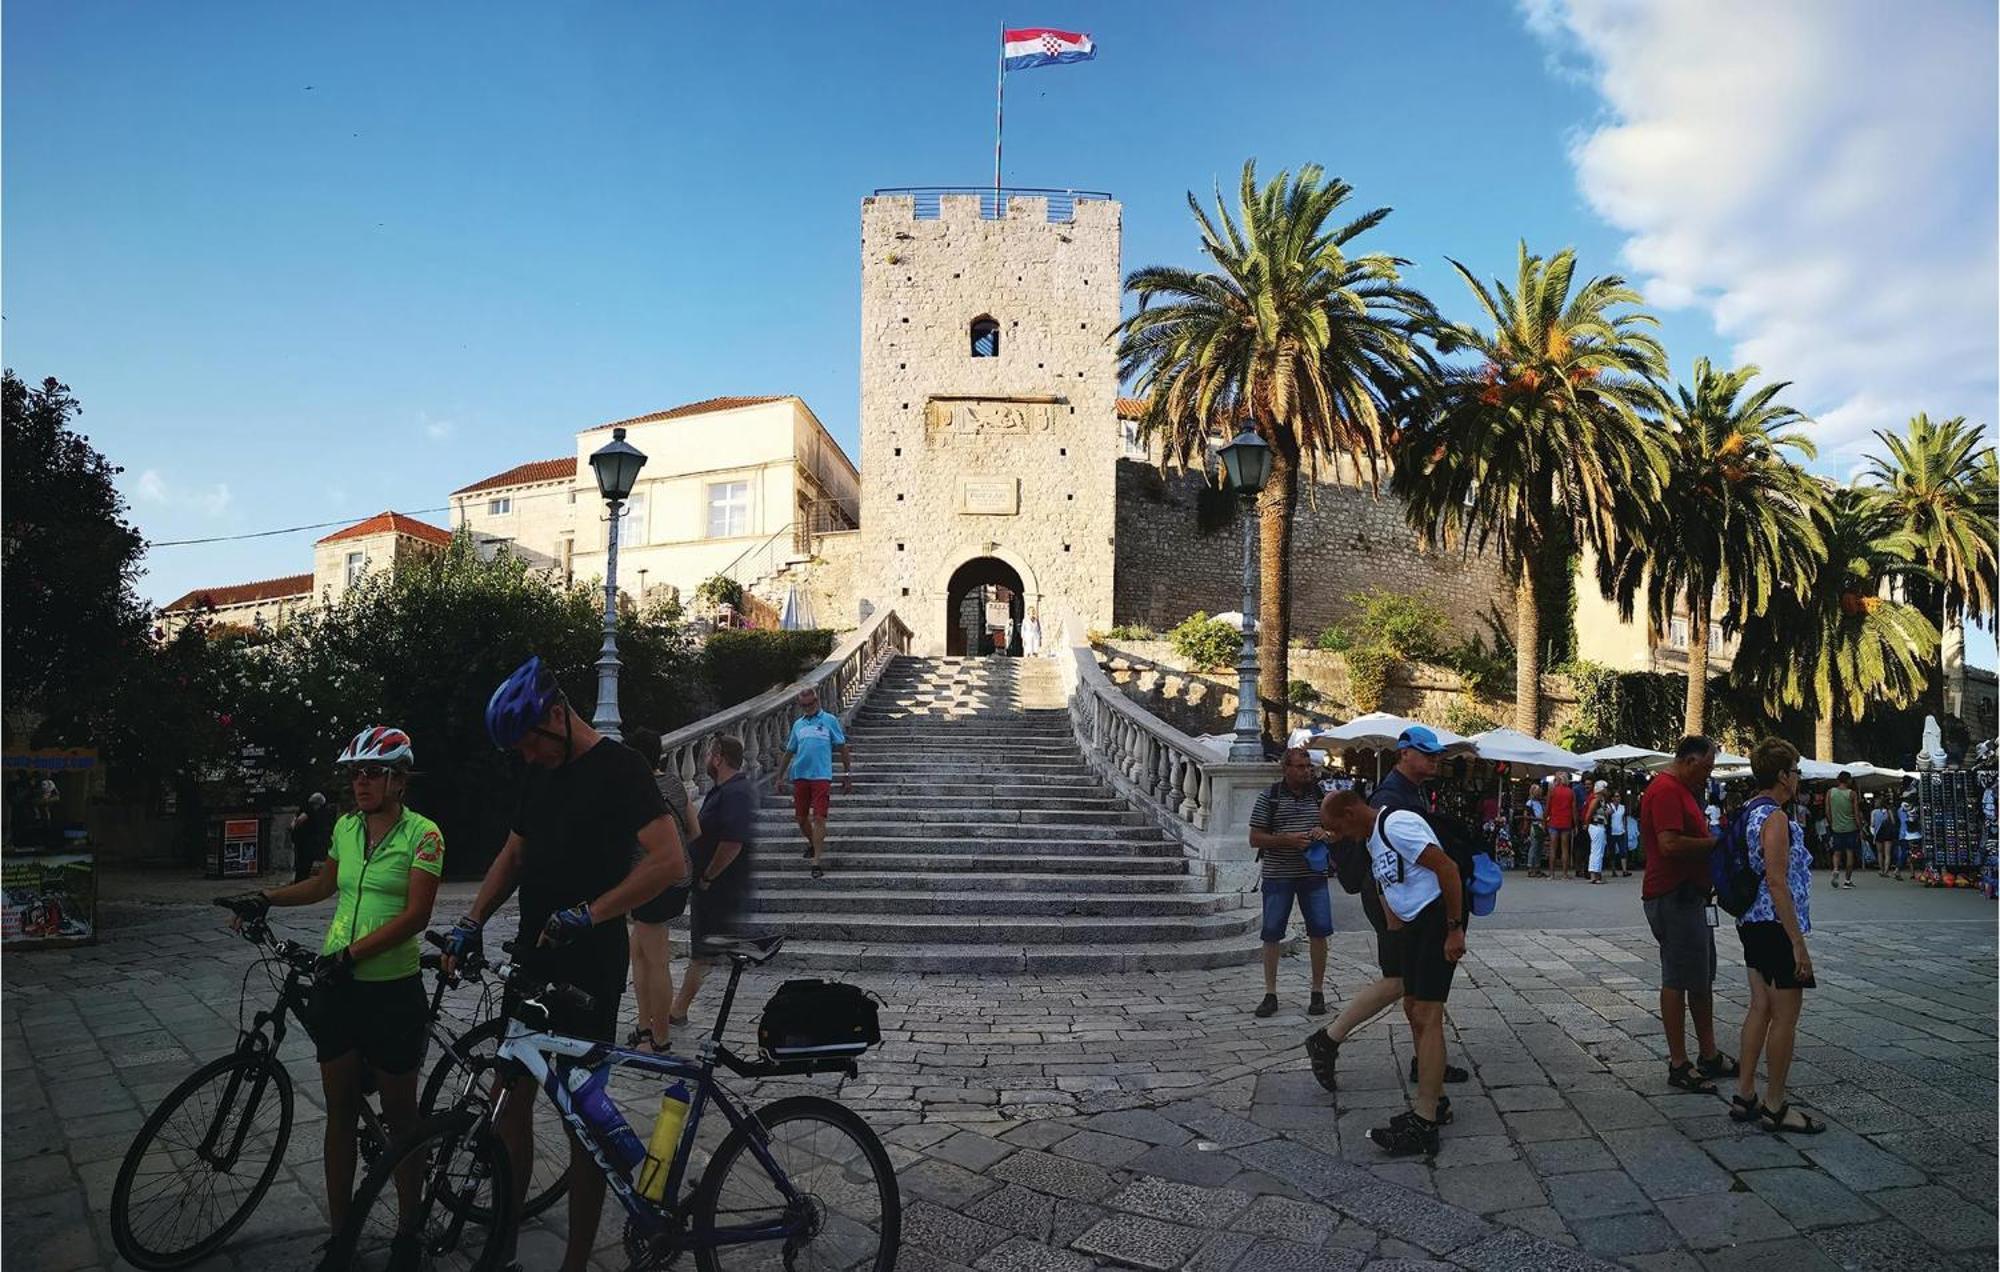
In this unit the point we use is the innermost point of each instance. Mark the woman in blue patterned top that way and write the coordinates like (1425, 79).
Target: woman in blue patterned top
(1773, 931)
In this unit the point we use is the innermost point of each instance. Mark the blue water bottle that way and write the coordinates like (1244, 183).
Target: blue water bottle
(588, 1095)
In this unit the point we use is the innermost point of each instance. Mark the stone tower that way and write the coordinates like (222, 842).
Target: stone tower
(989, 384)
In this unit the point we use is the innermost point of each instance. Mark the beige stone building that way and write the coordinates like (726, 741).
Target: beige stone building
(988, 410)
(340, 560)
(530, 509)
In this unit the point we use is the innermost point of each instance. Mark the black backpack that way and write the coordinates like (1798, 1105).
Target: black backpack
(1732, 873)
(1453, 837)
(811, 1018)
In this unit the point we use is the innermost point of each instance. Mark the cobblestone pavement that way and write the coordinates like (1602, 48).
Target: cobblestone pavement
(1149, 1121)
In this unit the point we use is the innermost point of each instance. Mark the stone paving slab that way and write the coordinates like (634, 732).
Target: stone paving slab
(1070, 1122)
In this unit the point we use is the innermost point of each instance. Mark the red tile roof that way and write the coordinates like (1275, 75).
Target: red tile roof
(244, 593)
(702, 407)
(1131, 408)
(525, 475)
(397, 522)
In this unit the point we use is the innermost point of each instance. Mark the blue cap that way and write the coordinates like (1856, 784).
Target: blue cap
(1419, 737)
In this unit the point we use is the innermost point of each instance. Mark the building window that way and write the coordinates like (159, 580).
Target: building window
(728, 509)
(357, 563)
(500, 507)
(985, 337)
(1135, 440)
(632, 521)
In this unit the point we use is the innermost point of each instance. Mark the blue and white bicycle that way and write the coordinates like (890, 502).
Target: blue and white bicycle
(801, 1183)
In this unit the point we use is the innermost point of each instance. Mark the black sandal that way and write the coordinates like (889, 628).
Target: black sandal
(1743, 1108)
(1774, 1122)
(642, 1037)
(1683, 1075)
(1719, 1065)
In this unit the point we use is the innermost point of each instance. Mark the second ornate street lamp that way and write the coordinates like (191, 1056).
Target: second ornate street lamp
(1246, 462)
(617, 464)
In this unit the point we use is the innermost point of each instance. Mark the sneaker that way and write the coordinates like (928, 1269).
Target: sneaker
(1443, 1113)
(1406, 1136)
(1317, 1007)
(1452, 1073)
(1269, 1007)
(1323, 1052)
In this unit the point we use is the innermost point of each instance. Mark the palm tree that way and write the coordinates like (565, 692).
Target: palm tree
(1938, 483)
(1841, 642)
(1312, 347)
(1733, 521)
(1544, 438)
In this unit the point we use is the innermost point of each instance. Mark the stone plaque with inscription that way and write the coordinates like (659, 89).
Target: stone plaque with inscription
(998, 417)
(989, 496)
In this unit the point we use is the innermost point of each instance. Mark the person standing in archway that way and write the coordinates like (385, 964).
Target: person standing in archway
(808, 762)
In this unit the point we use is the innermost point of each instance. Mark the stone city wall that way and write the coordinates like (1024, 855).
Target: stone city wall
(1346, 540)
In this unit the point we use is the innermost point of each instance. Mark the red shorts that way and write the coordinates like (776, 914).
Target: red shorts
(809, 793)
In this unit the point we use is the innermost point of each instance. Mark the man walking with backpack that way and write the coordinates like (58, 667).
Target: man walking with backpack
(1675, 893)
(1417, 760)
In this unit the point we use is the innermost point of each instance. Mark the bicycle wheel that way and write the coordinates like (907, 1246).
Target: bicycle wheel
(460, 1172)
(851, 1212)
(474, 1051)
(201, 1163)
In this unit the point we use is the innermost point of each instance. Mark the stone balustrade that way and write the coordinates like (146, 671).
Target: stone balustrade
(1191, 788)
(764, 722)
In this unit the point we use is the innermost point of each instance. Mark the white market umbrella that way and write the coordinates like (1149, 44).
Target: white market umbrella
(1378, 730)
(797, 615)
(1510, 746)
(1628, 758)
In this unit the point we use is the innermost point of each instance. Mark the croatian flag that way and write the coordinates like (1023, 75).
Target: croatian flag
(1040, 46)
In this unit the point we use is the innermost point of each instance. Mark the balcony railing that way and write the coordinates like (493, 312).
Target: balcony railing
(929, 200)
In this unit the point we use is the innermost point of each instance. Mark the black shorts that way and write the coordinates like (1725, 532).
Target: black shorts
(670, 904)
(1768, 952)
(598, 964)
(1427, 972)
(386, 1021)
(1388, 944)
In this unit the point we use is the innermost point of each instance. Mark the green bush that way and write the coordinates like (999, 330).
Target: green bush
(1410, 627)
(1334, 639)
(1463, 716)
(1301, 694)
(1485, 671)
(1131, 631)
(720, 589)
(1368, 669)
(1206, 642)
(744, 662)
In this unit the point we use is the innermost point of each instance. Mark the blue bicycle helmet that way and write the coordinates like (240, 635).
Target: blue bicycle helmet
(520, 702)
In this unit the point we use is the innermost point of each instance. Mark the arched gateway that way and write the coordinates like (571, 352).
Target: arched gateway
(984, 605)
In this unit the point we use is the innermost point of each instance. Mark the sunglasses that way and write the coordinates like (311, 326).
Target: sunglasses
(370, 772)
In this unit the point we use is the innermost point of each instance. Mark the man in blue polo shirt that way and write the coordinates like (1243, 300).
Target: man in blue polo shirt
(808, 762)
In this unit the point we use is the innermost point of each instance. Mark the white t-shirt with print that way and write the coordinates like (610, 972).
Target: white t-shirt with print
(1404, 835)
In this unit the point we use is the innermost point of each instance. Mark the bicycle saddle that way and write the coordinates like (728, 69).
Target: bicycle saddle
(751, 949)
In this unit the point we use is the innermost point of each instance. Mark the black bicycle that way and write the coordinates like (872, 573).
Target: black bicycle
(800, 1183)
(202, 1162)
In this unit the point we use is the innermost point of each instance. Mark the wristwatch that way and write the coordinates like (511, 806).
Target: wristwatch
(1454, 925)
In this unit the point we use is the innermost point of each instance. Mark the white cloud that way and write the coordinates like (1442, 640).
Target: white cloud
(437, 430)
(1816, 174)
(210, 501)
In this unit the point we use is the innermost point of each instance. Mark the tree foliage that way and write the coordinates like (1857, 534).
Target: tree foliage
(1288, 334)
(1543, 436)
(70, 559)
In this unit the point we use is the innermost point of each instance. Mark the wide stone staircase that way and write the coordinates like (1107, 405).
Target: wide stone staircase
(978, 839)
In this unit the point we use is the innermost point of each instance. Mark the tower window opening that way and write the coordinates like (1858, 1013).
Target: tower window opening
(985, 337)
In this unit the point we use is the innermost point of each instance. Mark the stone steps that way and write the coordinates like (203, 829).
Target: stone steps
(977, 839)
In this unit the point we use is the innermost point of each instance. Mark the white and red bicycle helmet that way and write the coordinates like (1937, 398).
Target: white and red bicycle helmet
(381, 744)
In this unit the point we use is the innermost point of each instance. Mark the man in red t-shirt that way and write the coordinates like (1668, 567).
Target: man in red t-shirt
(1675, 892)
(1562, 825)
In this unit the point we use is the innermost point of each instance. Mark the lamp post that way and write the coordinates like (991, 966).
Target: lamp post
(1246, 461)
(617, 464)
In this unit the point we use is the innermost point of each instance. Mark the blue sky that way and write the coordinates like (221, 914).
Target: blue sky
(305, 263)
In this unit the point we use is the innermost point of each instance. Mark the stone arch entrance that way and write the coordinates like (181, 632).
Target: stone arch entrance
(973, 603)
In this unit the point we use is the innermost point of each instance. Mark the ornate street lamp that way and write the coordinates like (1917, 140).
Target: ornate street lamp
(1246, 462)
(617, 464)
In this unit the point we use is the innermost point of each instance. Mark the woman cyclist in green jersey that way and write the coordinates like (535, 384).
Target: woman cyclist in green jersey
(368, 1000)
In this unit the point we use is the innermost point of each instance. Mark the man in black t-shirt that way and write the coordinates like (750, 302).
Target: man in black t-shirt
(722, 882)
(584, 799)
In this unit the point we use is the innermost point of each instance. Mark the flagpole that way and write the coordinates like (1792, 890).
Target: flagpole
(999, 106)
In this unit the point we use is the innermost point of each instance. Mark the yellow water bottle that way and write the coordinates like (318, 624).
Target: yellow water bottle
(666, 1138)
